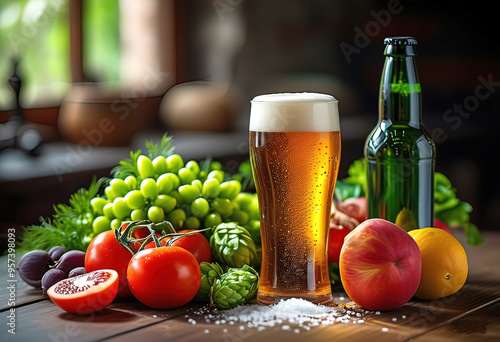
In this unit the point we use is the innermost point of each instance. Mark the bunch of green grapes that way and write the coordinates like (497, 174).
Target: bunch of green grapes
(166, 188)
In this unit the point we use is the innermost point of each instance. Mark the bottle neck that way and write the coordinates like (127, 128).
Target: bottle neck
(400, 98)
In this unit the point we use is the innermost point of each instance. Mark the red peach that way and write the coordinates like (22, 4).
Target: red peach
(380, 265)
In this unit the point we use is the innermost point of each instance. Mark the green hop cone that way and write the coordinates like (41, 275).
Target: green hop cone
(209, 273)
(235, 287)
(232, 245)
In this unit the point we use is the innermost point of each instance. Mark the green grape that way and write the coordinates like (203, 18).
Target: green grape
(186, 176)
(197, 183)
(110, 194)
(217, 174)
(120, 208)
(253, 210)
(211, 188)
(177, 218)
(119, 186)
(223, 206)
(135, 199)
(176, 182)
(213, 219)
(244, 200)
(149, 188)
(189, 193)
(101, 224)
(145, 167)
(160, 165)
(230, 189)
(174, 163)
(200, 207)
(175, 194)
(108, 211)
(131, 182)
(166, 183)
(253, 227)
(116, 224)
(192, 223)
(138, 215)
(156, 214)
(215, 165)
(193, 166)
(98, 204)
(240, 216)
(236, 206)
(166, 202)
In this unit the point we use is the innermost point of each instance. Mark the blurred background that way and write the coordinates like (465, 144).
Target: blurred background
(83, 82)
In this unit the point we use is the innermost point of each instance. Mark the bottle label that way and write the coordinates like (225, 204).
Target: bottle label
(405, 88)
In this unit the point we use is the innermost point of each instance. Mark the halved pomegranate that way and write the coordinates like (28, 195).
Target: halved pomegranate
(86, 293)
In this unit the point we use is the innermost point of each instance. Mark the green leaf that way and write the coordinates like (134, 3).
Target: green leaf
(127, 167)
(70, 226)
(344, 191)
(473, 235)
(165, 149)
(357, 175)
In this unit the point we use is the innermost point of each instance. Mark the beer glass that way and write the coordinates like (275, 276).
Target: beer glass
(295, 155)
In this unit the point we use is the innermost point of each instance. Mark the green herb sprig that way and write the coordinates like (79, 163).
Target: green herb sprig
(70, 226)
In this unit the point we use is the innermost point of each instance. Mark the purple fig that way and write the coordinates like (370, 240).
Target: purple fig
(52, 277)
(77, 271)
(56, 252)
(33, 265)
(71, 259)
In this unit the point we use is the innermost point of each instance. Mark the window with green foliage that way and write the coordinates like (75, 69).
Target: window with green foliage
(36, 32)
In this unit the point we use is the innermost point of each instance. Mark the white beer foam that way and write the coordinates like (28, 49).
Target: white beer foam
(294, 112)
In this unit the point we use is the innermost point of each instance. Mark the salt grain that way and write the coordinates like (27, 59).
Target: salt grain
(293, 315)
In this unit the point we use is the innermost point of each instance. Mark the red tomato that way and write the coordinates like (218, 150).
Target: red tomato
(164, 277)
(195, 243)
(99, 291)
(441, 225)
(106, 252)
(335, 242)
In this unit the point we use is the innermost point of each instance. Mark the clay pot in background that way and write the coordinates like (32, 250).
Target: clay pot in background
(200, 106)
(95, 115)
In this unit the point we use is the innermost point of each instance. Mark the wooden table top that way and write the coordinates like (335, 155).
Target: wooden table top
(472, 314)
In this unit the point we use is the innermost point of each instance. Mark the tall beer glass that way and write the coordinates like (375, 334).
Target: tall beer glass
(295, 155)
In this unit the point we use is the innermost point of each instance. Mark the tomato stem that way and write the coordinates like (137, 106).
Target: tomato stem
(179, 235)
(125, 237)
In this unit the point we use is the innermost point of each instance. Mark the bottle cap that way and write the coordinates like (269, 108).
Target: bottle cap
(400, 46)
(400, 41)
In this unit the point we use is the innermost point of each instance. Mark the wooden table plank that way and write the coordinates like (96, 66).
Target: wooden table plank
(416, 318)
(470, 314)
(43, 321)
(482, 325)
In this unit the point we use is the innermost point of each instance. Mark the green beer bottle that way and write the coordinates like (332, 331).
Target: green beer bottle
(399, 151)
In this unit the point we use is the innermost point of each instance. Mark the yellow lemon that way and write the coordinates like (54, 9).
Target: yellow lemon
(444, 263)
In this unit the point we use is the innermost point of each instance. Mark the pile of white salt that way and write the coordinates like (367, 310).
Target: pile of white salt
(291, 314)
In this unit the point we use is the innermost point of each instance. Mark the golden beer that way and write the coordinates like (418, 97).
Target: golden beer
(295, 154)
